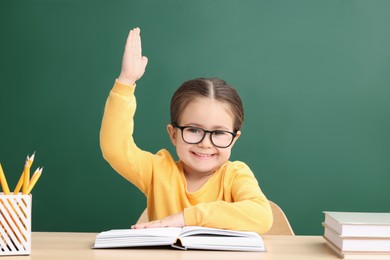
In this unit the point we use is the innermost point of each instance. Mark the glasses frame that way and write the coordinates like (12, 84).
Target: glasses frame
(182, 128)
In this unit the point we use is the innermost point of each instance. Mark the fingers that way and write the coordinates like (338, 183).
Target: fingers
(133, 63)
(144, 61)
(157, 224)
(175, 220)
(152, 224)
(137, 41)
(130, 39)
(133, 42)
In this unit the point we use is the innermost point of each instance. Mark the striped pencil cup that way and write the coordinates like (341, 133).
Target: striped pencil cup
(15, 224)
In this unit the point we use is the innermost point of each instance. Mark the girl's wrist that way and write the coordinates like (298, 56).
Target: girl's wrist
(126, 81)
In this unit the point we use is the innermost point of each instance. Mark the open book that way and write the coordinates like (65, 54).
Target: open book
(189, 237)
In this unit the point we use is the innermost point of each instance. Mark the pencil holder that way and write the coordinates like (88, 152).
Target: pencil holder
(15, 224)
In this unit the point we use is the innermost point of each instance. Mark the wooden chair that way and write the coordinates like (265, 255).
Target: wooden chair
(144, 217)
(280, 226)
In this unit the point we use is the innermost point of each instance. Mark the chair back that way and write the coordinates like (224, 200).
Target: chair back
(144, 217)
(281, 225)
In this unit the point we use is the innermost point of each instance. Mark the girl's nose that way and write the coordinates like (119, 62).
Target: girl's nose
(206, 142)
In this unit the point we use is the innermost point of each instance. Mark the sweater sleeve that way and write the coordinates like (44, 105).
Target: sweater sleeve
(116, 138)
(248, 209)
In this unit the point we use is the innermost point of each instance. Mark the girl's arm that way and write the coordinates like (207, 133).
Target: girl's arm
(246, 209)
(116, 134)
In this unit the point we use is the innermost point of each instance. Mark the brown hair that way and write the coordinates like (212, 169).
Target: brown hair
(214, 88)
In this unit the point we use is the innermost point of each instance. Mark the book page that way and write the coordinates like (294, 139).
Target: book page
(222, 243)
(204, 231)
(143, 232)
(360, 218)
(136, 237)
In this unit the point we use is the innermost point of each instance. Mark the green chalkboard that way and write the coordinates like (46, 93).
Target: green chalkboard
(313, 76)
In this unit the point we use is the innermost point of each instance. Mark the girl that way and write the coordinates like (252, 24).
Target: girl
(203, 188)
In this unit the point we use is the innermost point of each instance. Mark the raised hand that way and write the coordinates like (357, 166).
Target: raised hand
(133, 63)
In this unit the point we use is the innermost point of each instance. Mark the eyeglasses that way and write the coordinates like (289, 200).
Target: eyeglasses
(195, 135)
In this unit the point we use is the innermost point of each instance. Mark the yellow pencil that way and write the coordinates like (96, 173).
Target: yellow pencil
(31, 159)
(29, 162)
(19, 185)
(20, 182)
(3, 180)
(17, 189)
(26, 177)
(34, 180)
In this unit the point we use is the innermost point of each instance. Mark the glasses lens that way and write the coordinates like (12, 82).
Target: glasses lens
(221, 138)
(193, 135)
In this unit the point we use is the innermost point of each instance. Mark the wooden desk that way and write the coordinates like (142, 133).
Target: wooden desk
(74, 246)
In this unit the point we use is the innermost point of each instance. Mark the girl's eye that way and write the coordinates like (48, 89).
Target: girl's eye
(193, 130)
(219, 132)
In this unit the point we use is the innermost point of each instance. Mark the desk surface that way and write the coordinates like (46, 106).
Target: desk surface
(58, 246)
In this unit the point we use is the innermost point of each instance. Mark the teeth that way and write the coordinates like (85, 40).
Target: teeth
(203, 155)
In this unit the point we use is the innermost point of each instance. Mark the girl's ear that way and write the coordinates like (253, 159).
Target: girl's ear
(238, 134)
(172, 133)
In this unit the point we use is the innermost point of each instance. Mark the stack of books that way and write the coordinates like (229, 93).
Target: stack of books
(358, 235)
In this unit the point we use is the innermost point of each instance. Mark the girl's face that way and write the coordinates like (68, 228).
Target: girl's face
(203, 158)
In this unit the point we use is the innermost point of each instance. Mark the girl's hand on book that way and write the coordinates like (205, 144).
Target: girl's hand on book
(133, 63)
(175, 220)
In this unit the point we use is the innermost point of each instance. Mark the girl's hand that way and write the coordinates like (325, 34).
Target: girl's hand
(175, 220)
(133, 63)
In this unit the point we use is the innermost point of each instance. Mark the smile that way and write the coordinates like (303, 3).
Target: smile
(203, 155)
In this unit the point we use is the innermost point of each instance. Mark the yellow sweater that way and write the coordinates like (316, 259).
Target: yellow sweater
(230, 199)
